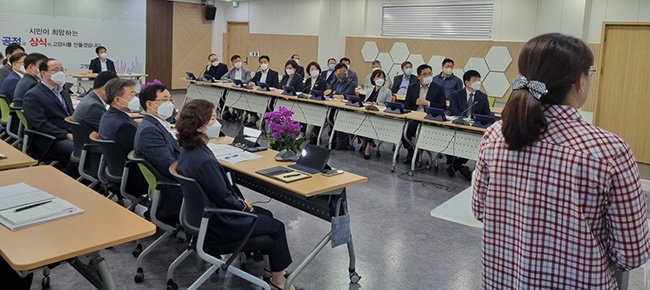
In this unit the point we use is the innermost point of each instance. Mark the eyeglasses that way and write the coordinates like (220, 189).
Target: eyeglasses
(164, 100)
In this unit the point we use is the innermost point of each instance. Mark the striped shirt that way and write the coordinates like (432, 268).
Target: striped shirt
(562, 213)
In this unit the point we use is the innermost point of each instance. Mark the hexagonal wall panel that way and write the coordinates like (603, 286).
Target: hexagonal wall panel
(395, 69)
(498, 58)
(459, 72)
(436, 63)
(399, 52)
(416, 59)
(496, 84)
(477, 64)
(386, 60)
(369, 51)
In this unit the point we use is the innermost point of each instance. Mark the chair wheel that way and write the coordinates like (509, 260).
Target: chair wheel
(45, 283)
(139, 276)
(354, 278)
(410, 173)
(378, 154)
(181, 240)
(138, 249)
(171, 285)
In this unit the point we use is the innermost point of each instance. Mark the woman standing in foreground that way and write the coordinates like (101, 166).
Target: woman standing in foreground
(560, 199)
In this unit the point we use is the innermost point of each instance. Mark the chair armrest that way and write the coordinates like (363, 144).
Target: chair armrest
(208, 212)
(41, 134)
(49, 146)
(165, 183)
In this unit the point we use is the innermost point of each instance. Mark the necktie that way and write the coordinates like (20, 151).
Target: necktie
(470, 102)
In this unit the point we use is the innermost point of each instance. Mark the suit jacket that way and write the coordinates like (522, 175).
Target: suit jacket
(271, 78)
(118, 126)
(96, 65)
(89, 112)
(353, 76)
(245, 75)
(5, 70)
(9, 85)
(435, 96)
(200, 164)
(296, 82)
(45, 113)
(25, 84)
(216, 72)
(368, 83)
(383, 95)
(450, 84)
(326, 78)
(346, 88)
(397, 82)
(155, 144)
(321, 85)
(458, 103)
(300, 71)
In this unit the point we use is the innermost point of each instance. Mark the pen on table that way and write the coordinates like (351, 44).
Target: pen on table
(32, 206)
(291, 175)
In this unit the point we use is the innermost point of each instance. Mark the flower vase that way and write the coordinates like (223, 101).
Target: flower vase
(287, 155)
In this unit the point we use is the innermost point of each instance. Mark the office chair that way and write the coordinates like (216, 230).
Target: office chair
(195, 216)
(5, 118)
(14, 121)
(88, 155)
(154, 179)
(39, 155)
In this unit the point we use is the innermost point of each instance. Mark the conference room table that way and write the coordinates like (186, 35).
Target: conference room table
(75, 239)
(319, 196)
(80, 77)
(14, 158)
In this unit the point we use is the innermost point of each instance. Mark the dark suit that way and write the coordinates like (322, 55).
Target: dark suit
(271, 78)
(96, 65)
(155, 144)
(9, 85)
(200, 164)
(25, 84)
(458, 103)
(296, 82)
(216, 71)
(353, 76)
(345, 88)
(397, 82)
(89, 112)
(5, 70)
(45, 113)
(331, 77)
(300, 71)
(435, 96)
(320, 85)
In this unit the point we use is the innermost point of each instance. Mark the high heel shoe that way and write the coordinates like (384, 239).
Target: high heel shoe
(367, 156)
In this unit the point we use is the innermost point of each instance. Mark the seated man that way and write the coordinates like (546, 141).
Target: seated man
(341, 88)
(117, 125)
(7, 68)
(8, 87)
(93, 106)
(420, 95)
(215, 68)
(459, 105)
(155, 143)
(329, 74)
(238, 72)
(402, 82)
(46, 106)
(446, 78)
(30, 79)
(351, 74)
(101, 62)
(265, 74)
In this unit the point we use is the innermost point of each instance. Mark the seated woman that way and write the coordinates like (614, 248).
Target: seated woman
(380, 94)
(313, 83)
(290, 77)
(198, 162)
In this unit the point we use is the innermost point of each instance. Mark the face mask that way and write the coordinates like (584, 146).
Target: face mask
(134, 105)
(448, 70)
(290, 72)
(348, 66)
(103, 55)
(264, 66)
(314, 73)
(58, 78)
(213, 130)
(297, 61)
(215, 63)
(238, 65)
(408, 71)
(476, 86)
(165, 110)
(379, 82)
(375, 68)
(331, 66)
(341, 76)
(22, 70)
(427, 80)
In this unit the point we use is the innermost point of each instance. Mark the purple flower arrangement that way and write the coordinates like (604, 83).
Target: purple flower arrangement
(283, 131)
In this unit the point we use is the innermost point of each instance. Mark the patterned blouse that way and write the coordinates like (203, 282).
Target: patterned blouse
(563, 213)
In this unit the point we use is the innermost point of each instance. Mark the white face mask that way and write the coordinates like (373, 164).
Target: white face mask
(165, 110)
(58, 78)
(476, 86)
(427, 80)
(314, 73)
(290, 72)
(297, 61)
(379, 82)
(103, 55)
(238, 65)
(213, 130)
(447, 70)
(134, 105)
(331, 66)
(375, 68)
(215, 63)
(264, 66)
(22, 70)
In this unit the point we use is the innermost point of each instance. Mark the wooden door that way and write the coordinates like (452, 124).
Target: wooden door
(623, 98)
(237, 41)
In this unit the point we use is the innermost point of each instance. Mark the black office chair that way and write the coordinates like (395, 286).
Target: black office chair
(195, 216)
(40, 154)
(88, 155)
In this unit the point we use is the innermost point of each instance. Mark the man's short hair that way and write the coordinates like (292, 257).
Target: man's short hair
(423, 67)
(103, 78)
(43, 66)
(33, 58)
(331, 58)
(115, 87)
(265, 57)
(344, 59)
(340, 65)
(16, 57)
(97, 49)
(470, 74)
(234, 57)
(405, 63)
(150, 93)
(376, 62)
(13, 47)
(212, 54)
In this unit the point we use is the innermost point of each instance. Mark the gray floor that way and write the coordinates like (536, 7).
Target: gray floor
(398, 244)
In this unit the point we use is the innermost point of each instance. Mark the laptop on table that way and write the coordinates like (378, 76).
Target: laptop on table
(313, 159)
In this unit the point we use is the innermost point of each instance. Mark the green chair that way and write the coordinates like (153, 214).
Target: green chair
(4, 117)
(39, 155)
(491, 101)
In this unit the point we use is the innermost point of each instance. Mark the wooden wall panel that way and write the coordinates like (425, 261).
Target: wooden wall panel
(159, 40)
(280, 47)
(192, 42)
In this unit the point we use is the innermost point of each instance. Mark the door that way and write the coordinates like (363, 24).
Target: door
(623, 100)
(237, 39)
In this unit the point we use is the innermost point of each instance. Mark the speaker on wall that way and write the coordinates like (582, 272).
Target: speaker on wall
(210, 12)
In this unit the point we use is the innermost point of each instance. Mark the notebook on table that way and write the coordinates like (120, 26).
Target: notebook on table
(283, 174)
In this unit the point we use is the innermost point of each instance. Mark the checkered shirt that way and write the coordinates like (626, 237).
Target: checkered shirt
(562, 213)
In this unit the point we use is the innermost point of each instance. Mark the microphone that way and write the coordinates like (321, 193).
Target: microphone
(460, 120)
